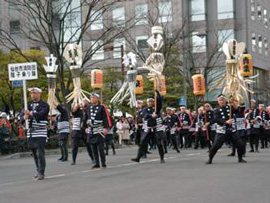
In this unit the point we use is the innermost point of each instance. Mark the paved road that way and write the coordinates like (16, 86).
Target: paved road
(184, 178)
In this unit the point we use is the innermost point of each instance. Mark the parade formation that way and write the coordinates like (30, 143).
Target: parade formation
(236, 120)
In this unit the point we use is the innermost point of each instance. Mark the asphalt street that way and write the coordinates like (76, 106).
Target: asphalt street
(184, 178)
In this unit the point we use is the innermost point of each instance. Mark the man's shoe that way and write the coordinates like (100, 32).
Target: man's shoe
(36, 176)
(104, 166)
(41, 177)
(178, 151)
(135, 160)
(73, 163)
(251, 150)
(162, 161)
(232, 154)
(148, 152)
(95, 167)
(209, 161)
(242, 161)
(60, 159)
(64, 160)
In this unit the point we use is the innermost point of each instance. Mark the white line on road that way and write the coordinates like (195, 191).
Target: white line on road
(87, 171)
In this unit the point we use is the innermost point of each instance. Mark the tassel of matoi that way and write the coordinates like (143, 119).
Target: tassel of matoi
(199, 84)
(246, 65)
(97, 79)
(139, 85)
(161, 87)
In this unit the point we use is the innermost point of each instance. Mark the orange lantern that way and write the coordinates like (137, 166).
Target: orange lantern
(96, 79)
(162, 86)
(246, 66)
(139, 84)
(199, 84)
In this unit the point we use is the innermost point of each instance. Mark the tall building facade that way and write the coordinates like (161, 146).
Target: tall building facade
(204, 24)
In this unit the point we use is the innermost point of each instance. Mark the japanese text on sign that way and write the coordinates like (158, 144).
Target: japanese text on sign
(22, 71)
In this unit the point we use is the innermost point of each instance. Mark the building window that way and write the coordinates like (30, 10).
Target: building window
(141, 42)
(265, 46)
(98, 49)
(141, 13)
(165, 11)
(197, 10)
(198, 43)
(14, 27)
(224, 36)
(252, 10)
(265, 18)
(225, 9)
(119, 17)
(260, 43)
(117, 43)
(72, 24)
(259, 12)
(13, 5)
(253, 41)
(97, 20)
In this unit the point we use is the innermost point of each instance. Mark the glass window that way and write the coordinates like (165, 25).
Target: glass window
(98, 49)
(119, 17)
(252, 9)
(14, 27)
(72, 20)
(97, 20)
(117, 47)
(141, 13)
(13, 5)
(165, 11)
(259, 11)
(225, 36)
(225, 9)
(265, 18)
(141, 42)
(197, 10)
(265, 46)
(253, 41)
(198, 43)
(260, 43)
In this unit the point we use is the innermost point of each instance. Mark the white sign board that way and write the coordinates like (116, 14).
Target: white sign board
(23, 71)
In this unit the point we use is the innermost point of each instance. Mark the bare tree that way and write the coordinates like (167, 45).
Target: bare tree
(52, 24)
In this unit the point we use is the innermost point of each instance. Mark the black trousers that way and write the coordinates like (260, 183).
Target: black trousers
(184, 133)
(64, 149)
(172, 139)
(108, 142)
(77, 138)
(138, 135)
(263, 136)
(229, 136)
(97, 145)
(254, 138)
(145, 139)
(37, 146)
(200, 139)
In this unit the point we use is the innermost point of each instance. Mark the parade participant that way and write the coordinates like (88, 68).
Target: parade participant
(63, 130)
(224, 130)
(97, 125)
(200, 129)
(267, 125)
(209, 124)
(171, 122)
(152, 127)
(109, 137)
(184, 127)
(265, 118)
(255, 124)
(238, 114)
(37, 114)
(139, 121)
(77, 133)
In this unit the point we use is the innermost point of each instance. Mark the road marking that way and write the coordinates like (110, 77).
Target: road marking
(110, 167)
